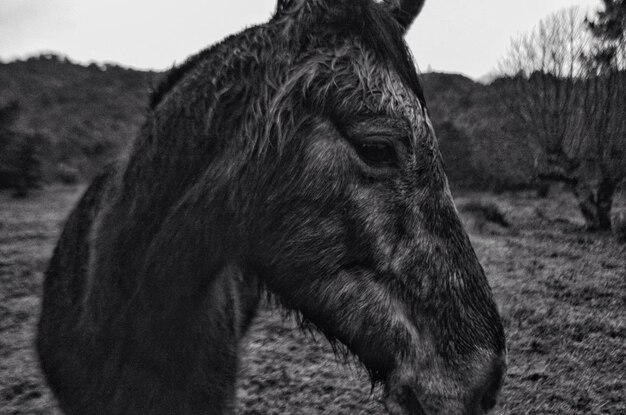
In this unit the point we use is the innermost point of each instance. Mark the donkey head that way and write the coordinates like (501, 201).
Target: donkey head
(354, 225)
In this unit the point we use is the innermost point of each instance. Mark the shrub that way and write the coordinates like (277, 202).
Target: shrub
(67, 174)
(543, 189)
(619, 226)
(488, 211)
(20, 163)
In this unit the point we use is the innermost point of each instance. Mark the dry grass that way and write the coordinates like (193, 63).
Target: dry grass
(562, 294)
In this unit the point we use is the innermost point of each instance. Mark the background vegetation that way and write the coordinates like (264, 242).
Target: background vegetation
(565, 82)
(83, 116)
(73, 118)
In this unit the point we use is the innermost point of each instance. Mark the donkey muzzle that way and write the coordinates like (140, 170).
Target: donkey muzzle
(425, 396)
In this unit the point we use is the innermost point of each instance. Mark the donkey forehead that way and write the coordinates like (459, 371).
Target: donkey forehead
(352, 80)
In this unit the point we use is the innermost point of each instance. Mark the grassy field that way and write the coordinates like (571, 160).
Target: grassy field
(561, 292)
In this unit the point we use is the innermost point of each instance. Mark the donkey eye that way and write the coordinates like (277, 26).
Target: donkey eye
(378, 152)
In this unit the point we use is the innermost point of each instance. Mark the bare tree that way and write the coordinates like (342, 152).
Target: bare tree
(605, 109)
(570, 108)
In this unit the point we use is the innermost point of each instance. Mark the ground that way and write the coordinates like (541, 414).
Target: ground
(561, 292)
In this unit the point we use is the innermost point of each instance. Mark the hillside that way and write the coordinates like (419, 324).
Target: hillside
(481, 144)
(82, 116)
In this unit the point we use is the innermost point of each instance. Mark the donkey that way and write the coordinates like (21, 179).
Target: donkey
(295, 158)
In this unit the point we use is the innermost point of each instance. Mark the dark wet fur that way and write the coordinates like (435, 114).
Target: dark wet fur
(372, 24)
(243, 180)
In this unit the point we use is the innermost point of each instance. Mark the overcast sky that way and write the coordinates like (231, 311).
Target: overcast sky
(461, 36)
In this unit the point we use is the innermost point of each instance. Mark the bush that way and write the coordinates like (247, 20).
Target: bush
(543, 190)
(619, 226)
(20, 163)
(20, 153)
(66, 174)
(487, 211)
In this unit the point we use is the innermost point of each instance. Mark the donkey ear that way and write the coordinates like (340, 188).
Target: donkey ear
(404, 11)
(283, 6)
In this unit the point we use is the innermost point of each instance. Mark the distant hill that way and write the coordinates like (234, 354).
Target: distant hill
(85, 115)
(481, 143)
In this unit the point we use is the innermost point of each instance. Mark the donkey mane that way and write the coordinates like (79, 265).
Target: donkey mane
(370, 21)
(175, 74)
